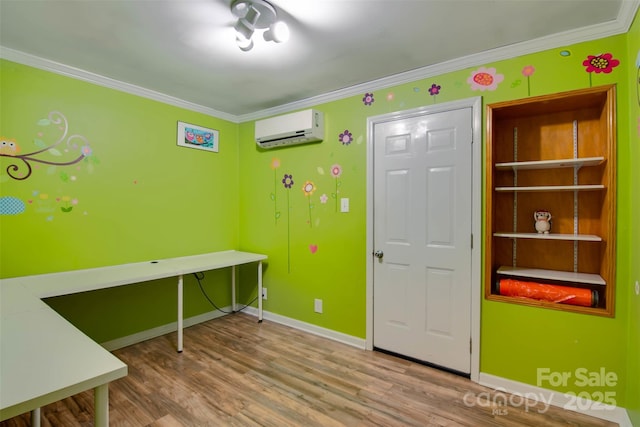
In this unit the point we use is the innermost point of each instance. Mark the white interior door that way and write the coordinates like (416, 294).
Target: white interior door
(422, 236)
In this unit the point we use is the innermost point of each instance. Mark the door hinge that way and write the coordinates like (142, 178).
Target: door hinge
(471, 240)
(470, 347)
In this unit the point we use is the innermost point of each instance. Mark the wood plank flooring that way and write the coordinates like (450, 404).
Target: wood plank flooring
(237, 372)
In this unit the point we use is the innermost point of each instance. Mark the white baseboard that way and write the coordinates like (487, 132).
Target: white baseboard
(310, 328)
(276, 318)
(612, 413)
(161, 330)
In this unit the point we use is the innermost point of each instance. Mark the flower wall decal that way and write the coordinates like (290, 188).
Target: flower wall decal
(336, 172)
(484, 79)
(434, 90)
(368, 99)
(308, 189)
(603, 63)
(67, 203)
(287, 181)
(86, 151)
(346, 137)
(275, 164)
(528, 72)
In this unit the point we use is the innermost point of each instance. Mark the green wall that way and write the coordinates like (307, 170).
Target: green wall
(141, 197)
(633, 153)
(316, 252)
(137, 196)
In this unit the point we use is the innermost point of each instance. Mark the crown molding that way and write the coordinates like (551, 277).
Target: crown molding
(620, 25)
(627, 13)
(87, 76)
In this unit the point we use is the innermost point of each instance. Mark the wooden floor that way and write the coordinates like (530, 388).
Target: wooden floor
(237, 372)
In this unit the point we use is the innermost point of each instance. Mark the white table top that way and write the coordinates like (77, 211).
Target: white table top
(43, 357)
(75, 281)
(212, 261)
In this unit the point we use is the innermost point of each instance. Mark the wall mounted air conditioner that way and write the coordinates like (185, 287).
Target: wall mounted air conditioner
(295, 128)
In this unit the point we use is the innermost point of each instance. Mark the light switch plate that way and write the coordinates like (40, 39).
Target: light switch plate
(344, 204)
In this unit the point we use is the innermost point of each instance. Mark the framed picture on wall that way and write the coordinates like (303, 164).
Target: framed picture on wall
(194, 136)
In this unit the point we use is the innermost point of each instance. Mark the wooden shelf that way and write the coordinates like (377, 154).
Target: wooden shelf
(553, 188)
(551, 164)
(565, 276)
(553, 152)
(551, 236)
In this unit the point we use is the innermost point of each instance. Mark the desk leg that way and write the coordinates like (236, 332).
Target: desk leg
(259, 291)
(233, 288)
(101, 403)
(180, 314)
(35, 418)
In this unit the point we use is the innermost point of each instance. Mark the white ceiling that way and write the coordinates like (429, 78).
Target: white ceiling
(186, 48)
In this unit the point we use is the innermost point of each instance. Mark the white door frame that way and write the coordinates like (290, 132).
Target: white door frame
(475, 104)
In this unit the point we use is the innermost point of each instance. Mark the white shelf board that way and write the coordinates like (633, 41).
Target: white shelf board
(565, 276)
(551, 164)
(551, 236)
(553, 188)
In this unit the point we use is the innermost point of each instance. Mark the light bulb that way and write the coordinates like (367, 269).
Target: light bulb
(245, 44)
(277, 32)
(280, 32)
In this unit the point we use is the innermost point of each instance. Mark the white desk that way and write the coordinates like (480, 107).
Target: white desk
(44, 358)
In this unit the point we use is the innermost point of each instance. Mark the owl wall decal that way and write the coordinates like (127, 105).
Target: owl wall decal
(9, 147)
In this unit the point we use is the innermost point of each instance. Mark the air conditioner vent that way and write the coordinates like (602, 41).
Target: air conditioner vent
(290, 129)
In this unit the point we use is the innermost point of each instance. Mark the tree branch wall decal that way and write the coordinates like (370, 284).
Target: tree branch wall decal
(71, 145)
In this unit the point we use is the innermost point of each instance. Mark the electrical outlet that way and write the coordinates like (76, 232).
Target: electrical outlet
(264, 293)
(637, 288)
(317, 305)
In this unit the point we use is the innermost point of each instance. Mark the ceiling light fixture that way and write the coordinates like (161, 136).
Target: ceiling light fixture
(257, 15)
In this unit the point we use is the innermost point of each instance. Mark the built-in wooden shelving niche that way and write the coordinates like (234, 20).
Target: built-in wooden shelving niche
(555, 153)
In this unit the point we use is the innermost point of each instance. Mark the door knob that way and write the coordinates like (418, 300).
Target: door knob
(378, 254)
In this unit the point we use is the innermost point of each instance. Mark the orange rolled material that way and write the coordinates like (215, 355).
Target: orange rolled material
(550, 293)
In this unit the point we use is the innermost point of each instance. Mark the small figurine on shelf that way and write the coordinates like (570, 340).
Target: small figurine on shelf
(542, 221)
